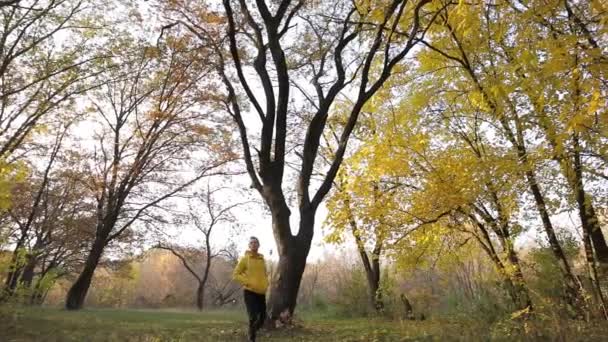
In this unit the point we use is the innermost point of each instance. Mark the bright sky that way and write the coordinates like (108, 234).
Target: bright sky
(256, 219)
(252, 220)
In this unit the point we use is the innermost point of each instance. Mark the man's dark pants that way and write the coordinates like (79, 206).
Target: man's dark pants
(256, 310)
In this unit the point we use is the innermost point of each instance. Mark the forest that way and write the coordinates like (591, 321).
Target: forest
(414, 170)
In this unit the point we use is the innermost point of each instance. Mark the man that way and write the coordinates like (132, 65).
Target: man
(250, 272)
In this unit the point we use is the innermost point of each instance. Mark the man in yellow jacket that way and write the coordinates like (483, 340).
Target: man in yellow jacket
(250, 272)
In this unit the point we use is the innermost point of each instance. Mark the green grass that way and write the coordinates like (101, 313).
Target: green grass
(52, 324)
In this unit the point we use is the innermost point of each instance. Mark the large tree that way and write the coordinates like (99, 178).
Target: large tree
(153, 137)
(290, 62)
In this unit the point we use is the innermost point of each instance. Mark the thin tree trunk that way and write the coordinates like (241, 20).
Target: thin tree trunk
(407, 307)
(78, 291)
(572, 169)
(592, 226)
(200, 296)
(372, 268)
(588, 216)
(12, 280)
(574, 295)
(15, 269)
(502, 229)
(589, 222)
(521, 288)
(593, 274)
(36, 297)
(514, 282)
(372, 272)
(200, 293)
(574, 291)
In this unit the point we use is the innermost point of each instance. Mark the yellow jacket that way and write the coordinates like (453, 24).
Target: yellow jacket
(251, 272)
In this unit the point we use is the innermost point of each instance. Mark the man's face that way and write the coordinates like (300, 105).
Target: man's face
(254, 245)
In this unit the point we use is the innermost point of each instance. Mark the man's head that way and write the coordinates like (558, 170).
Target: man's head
(254, 244)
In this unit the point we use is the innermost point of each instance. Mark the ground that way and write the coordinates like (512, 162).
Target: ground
(53, 324)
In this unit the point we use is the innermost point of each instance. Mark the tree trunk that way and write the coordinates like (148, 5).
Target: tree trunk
(15, 269)
(588, 216)
(372, 268)
(513, 281)
(376, 294)
(372, 272)
(590, 225)
(28, 271)
(36, 297)
(37, 294)
(293, 251)
(574, 291)
(407, 308)
(597, 237)
(12, 280)
(517, 284)
(285, 286)
(522, 298)
(200, 296)
(78, 291)
(200, 292)
(593, 274)
(574, 295)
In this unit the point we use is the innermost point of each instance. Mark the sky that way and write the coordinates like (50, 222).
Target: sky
(256, 220)
(252, 219)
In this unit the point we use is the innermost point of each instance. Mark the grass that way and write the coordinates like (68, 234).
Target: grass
(25, 324)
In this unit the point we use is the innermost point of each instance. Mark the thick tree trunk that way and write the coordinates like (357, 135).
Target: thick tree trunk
(78, 291)
(28, 271)
(285, 286)
(293, 251)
